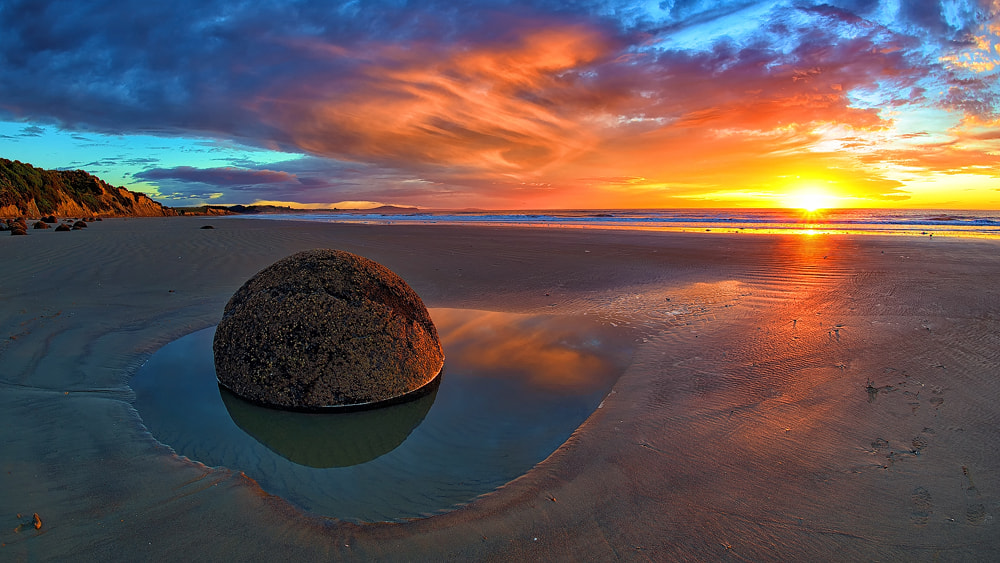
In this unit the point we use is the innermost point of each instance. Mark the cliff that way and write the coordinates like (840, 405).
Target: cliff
(34, 192)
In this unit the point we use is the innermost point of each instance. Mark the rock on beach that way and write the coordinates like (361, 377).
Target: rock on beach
(325, 328)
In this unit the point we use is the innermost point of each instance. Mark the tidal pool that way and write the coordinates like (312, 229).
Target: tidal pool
(513, 389)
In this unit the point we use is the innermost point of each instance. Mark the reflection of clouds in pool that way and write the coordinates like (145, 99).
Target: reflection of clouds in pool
(545, 352)
(498, 412)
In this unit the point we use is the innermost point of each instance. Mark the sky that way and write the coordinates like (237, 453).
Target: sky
(488, 104)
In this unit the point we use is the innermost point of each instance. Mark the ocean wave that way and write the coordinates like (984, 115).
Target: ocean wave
(751, 220)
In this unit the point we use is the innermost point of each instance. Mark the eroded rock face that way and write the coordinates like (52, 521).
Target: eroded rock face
(325, 328)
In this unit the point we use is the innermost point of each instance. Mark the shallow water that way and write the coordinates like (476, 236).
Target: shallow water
(513, 390)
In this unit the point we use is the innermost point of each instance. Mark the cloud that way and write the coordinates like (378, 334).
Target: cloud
(218, 176)
(494, 106)
(503, 101)
(205, 185)
(993, 135)
(532, 115)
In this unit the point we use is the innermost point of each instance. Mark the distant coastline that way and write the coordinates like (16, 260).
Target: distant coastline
(32, 192)
(239, 209)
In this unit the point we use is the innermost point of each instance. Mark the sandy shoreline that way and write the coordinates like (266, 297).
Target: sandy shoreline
(790, 397)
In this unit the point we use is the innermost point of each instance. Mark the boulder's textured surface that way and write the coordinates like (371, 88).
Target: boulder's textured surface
(325, 328)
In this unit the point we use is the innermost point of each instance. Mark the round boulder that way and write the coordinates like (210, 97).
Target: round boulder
(325, 328)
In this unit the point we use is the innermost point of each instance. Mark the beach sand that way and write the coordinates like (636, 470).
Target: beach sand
(789, 397)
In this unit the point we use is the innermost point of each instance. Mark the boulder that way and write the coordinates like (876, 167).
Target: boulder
(18, 230)
(326, 328)
(63, 227)
(41, 225)
(50, 219)
(79, 225)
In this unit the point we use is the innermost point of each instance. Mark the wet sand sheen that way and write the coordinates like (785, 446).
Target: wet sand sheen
(746, 426)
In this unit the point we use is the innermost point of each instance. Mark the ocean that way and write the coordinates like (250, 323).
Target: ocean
(965, 223)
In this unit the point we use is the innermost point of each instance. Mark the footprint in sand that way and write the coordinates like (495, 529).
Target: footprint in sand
(878, 448)
(920, 500)
(975, 511)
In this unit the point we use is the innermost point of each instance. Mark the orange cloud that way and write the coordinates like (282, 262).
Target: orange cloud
(480, 107)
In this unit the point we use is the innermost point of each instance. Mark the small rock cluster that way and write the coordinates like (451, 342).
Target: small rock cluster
(19, 226)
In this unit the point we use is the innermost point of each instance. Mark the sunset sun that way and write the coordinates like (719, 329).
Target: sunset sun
(810, 198)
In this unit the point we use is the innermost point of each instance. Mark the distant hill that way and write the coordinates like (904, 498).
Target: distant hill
(34, 192)
(393, 209)
(258, 209)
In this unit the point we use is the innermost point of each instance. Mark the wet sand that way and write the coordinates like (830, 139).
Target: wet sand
(789, 398)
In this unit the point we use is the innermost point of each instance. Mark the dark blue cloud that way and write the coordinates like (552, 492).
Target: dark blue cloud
(32, 131)
(230, 177)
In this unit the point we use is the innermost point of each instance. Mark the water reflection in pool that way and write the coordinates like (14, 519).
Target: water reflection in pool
(513, 389)
(336, 439)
